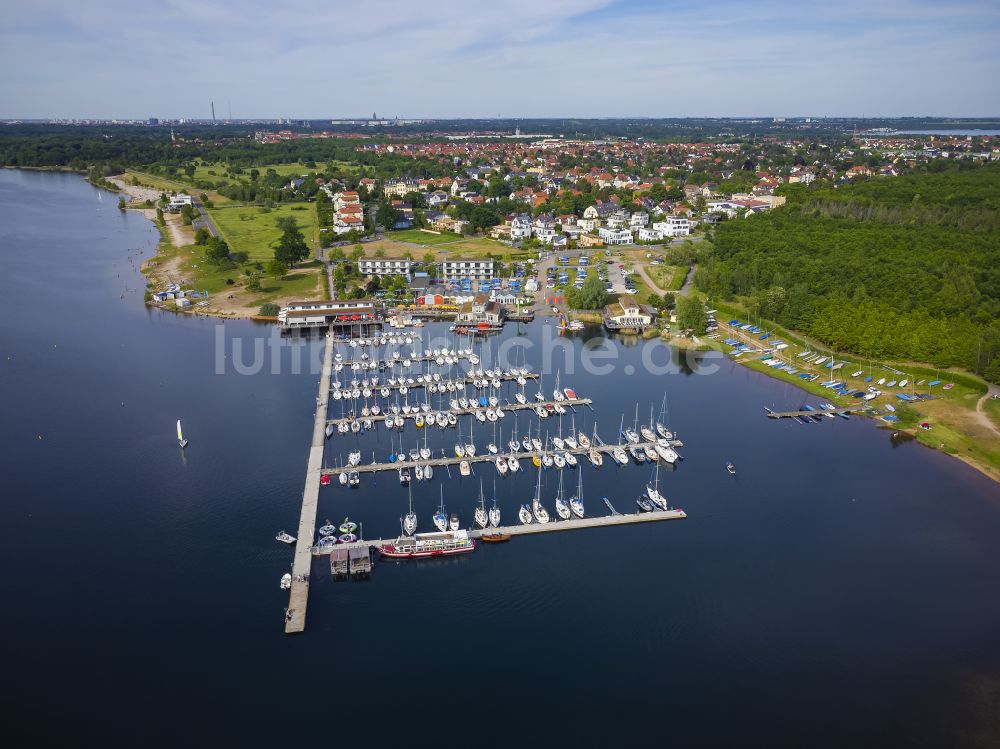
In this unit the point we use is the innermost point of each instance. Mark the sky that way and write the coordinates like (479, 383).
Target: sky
(514, 58)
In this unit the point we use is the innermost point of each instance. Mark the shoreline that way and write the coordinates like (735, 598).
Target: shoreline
(949, 408)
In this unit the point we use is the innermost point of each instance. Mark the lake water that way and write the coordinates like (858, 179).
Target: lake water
(951, 132)
(840, 591)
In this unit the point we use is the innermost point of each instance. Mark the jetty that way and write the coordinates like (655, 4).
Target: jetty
(295, 614)
(458, 412)
(818, 412)
(452, 460)
(337, 553)
(442, 385)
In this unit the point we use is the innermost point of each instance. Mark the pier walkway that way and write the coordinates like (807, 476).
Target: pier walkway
(452, 460)
(459, 412)
(295, 617)
(346, 387)
(599, 521)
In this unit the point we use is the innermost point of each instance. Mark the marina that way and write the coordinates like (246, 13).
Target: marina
(352, 557)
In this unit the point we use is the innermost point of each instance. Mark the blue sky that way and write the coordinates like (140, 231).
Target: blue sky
(516, 58)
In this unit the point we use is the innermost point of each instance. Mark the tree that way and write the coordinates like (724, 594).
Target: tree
(201, 235)
(691, 314)
(590, 296)
(216, 251)
(276, 269)
(357, 253)
(429, 258)
(253, 281)
(386, 215)
(292, 247)
(269, 309)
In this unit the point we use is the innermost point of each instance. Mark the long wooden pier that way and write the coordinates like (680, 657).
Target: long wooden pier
(452, 460)
(598, 521)
(459, 412)
(295, 616)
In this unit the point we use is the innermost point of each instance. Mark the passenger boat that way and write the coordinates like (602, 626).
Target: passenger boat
(285, 538)
(423, 545)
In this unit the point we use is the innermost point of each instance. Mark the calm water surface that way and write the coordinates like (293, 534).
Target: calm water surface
(839, 592)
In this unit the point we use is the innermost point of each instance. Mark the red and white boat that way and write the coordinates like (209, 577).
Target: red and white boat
(423, 545)
(570, 394)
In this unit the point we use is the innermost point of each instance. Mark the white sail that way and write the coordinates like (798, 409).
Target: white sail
(180, 434)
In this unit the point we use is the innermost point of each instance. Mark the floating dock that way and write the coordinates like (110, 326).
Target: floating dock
(600, 521)
(459, 412)
(817, 412)
(452, 460)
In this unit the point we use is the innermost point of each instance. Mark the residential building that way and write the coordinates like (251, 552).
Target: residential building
(614, 236)
(474, 270)
(382, 267)
(674, 226)
(520, 227)
(626, 313)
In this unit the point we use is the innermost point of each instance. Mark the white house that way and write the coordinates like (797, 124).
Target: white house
(614, 236)
(520, 227)
(674, 226)
(178, 201)
(638, 219)
(647, 234)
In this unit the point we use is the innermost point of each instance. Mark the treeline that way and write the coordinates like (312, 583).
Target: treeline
(915, 275)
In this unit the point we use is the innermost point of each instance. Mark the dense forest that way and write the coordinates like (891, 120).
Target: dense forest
(893, 268)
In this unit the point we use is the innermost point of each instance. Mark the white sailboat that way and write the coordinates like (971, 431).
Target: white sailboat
(180, 436)
(480, 515)
(562, 507)
(410, 521)
(653, 490)
(440, 518)
(576, 502)
(540, 513)
(494, 510)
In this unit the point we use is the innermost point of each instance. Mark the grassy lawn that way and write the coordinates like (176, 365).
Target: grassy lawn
(254, 232)
(154, 182)
(667, 277)
(992, 408)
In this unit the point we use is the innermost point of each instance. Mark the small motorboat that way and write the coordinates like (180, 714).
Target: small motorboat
(464, 468)
(453, 522)
(286, 581)
(324, 480)
(494, 538)
(285, 538)
(731, 468)
(644, 504)
(354, 479)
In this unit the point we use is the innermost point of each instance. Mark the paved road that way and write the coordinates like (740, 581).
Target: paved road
(205, 219)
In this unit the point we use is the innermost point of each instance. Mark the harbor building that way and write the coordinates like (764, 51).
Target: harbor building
(473, 270)
(381, 267)
(319, 313)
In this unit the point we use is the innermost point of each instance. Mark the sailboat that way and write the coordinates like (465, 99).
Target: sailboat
(540, 513)
(562, 507)
(440, 518)
(180, 436)
(410, 521)
(480, 515)
(494, 510)
(576, 502)
(653, 490)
